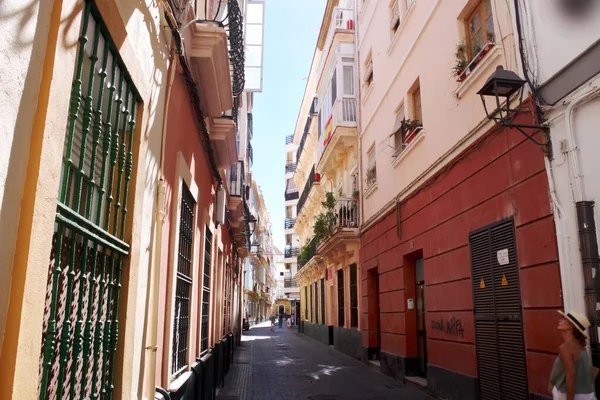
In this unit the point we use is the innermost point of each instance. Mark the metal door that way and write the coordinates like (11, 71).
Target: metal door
(498, 318)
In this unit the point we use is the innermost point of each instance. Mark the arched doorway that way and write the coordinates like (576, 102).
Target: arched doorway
(281, 310)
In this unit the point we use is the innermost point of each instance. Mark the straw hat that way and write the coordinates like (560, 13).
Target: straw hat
(579, 321)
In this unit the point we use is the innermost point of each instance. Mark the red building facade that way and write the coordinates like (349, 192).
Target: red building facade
(467, 282)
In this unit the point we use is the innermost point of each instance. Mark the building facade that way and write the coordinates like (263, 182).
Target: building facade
(327, 218)
(127, 224)
(458, 257)
(566, 82)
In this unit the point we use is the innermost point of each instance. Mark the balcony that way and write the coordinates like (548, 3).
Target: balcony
(290, 167)
(289, 283)
(342, 135)
(342, 21)
(346, 213)
(222, 137)
(289, 139)
(306, 190)
(289, 223)
(291, 252)
(303, 139)
(250, 154)
(344, 236)
(216, 51)
(250, 126)
(308, 252)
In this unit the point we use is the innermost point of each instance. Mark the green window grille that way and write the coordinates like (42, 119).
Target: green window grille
(81, 325)
(323, 301)
(311, 304)
(305, 303)
(316, 304)
(340, 284)
(206, 291)
(183, 286)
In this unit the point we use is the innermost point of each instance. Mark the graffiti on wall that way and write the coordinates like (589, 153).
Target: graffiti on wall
(452, 327)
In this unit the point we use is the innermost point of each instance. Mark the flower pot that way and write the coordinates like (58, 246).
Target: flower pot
(317, 177)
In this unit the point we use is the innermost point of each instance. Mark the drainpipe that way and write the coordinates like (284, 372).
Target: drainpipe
(358, 115)
(155, 259)
(586, 225)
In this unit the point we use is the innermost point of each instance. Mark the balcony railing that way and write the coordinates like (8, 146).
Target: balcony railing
(289, 223)
(236, 179)
(289, 283)
(289, 139)
(303, 139)
(227, 14)
(346, 213)
(290, 167)
(250, 126)
(291, 195)
(371, 176)
(291, 252)
(309, 251)
(342, 114)
(306, 191)
(250, 154)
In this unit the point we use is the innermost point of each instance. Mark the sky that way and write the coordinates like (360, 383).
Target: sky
(291, 30)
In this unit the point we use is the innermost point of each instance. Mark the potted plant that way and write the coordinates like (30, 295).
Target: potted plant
(460, 67)
(409, 127)
(355, 194)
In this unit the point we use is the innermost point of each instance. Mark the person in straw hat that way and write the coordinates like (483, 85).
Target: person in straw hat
(571, 377)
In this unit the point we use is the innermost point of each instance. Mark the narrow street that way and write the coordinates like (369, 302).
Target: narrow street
(286, 364)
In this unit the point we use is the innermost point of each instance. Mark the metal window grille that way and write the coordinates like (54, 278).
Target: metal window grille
(81, 326)
(206, 290)
(225, 297)
(353, 296)
(340, 284)
(305, 302)
(323, 301)
(316, 304)
(311, 304)
(183, 286)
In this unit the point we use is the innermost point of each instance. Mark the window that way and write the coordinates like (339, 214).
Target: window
(368, 76)
(348, 74)
(333, 87)
(340, 284)
(353, 296)
(371, 167)
(398, 132)
(416, 103)
(183, 284)
(305, 303)
(206, 290)
(479, 28)
(323, 301)
(394, 16)
(311, 304)
(316, 304)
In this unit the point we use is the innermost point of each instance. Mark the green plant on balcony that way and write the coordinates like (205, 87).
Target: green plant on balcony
(461, 59)
(325, 221)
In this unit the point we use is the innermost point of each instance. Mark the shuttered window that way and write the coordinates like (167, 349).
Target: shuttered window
(204, 328)
(323, 301)
(353, 296)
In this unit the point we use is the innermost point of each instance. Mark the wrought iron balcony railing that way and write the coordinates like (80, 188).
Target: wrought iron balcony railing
(250, 154)
(291, 252)
(250, 126)
(289, 223)
(289, 139)
(303, 139)
(306, 190)
(290, 167)
(291, 195)
(227, 14)
(346, 213)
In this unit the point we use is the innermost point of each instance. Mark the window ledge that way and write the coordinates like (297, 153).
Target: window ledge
(370, 190)
(488, 59)
(396, 160)
(177, 383)
(400, 27)
(367, 92)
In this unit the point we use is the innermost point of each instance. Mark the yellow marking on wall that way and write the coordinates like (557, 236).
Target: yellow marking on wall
(482, 284)
(504, 281)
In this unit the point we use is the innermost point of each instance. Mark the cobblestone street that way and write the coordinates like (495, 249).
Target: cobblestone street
(287, 365)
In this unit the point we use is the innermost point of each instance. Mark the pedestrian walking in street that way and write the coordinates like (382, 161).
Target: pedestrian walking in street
(571, 377)
(272, 322)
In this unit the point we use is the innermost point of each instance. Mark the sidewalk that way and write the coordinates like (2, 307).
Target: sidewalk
(287, 365)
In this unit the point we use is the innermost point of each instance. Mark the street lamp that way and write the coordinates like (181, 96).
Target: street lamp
(252, 224)
(255, 246)
(502, 85)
